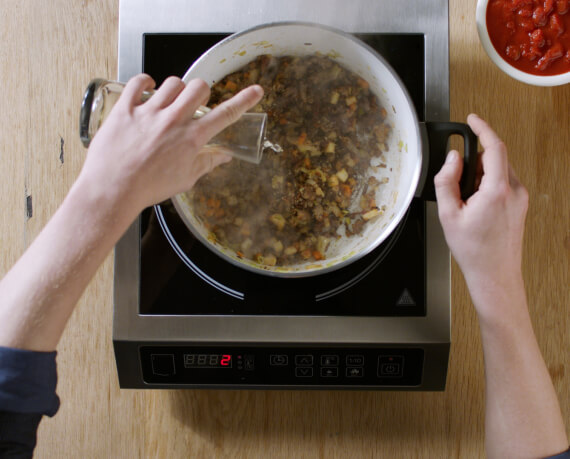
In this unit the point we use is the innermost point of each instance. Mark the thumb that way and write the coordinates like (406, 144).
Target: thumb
(207, 159)
(447, 183)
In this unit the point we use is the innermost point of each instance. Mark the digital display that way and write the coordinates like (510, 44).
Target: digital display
(207, 361)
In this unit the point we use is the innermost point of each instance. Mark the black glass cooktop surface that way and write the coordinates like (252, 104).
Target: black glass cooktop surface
(179, 275)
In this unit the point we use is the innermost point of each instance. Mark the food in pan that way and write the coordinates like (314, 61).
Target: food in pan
(333, 131)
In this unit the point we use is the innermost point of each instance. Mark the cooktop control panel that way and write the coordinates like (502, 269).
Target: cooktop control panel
(281, 367)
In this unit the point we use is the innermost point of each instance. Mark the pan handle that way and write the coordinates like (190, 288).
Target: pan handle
(436, 136)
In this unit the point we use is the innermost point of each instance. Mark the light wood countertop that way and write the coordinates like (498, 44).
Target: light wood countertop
(49, 50)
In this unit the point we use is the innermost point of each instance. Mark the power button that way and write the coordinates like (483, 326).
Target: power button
(390, 366)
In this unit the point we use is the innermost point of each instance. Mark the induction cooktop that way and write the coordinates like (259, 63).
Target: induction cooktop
(184, 317)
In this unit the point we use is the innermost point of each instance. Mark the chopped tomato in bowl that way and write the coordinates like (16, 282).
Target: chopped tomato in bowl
(527, 39)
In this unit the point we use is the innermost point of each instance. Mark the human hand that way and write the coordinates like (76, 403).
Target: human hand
(147, 152)
(484, 233)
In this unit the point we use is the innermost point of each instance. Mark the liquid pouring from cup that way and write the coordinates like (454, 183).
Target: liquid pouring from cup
(244, 139)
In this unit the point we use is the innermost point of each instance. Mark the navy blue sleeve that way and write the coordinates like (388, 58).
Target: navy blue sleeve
(27, 392)
(564, 455)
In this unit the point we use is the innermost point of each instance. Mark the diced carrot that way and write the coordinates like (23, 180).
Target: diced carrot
(230, 85)
(302, 138)
(307, 162)
(240, 254)
(213, 203)
(282, 121)
(317, 255)
(363, 83)
(346, 190)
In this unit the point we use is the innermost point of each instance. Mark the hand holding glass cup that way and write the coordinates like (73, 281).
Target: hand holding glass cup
(242, 139)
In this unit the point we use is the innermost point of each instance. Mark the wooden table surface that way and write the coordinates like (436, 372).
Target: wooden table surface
(49, 50)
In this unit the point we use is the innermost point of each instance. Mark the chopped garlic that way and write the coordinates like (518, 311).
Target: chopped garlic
(278, 246)
(278, 220)
(334, 97)
(276, 181)
(333, 181)
(245, 245)
(350, 100)
(342, 175)
(290, 251)
(322, 244)
(270, 260)
(371, 214)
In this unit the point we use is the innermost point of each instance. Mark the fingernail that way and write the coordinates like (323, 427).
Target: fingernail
(451, 157)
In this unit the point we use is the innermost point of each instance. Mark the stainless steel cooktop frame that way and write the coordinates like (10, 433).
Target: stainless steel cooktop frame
(431, 332)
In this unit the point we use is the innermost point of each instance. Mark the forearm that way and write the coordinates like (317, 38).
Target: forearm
(523, 417)
(144, 154)
(38, 294)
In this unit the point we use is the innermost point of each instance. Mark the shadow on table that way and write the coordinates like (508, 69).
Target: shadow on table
(318, 421)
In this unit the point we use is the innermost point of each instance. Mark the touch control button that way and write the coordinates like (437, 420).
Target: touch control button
(162, 364)
(304, 372)
(329, 360)
(278, 360)
(391, 366)
(304, 360)
(354, 360)
(329, 372)
(249, 361)
(355, 372)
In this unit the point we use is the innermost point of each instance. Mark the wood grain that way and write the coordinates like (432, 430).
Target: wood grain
(49, 50)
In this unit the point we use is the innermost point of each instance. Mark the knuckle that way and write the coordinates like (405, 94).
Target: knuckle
(202, 84)
(230, 112)
(441, 179)
(165, 120)
(500, 146)
(524, 197)
(199, 85)
(446, 214)
(194, 142)
(173, 81)
(142, 79)
(500, 193)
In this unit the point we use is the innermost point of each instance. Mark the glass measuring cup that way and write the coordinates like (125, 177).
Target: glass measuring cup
(242, 139)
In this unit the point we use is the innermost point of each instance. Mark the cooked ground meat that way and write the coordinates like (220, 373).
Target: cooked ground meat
(287, 209)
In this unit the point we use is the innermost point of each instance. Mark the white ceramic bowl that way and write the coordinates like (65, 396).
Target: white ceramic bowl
(537, 80)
